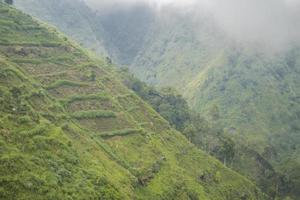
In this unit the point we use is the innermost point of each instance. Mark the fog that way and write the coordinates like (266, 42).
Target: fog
(272, 23)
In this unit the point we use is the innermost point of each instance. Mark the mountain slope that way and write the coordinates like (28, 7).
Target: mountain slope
(230, 85)
(70, 129)
(72, 17)
(251, 93)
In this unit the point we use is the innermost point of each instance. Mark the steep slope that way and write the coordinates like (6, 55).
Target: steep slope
(70, 130)
(229, 84)
(72, 17)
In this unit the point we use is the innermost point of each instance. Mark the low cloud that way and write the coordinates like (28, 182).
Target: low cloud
(273, 23)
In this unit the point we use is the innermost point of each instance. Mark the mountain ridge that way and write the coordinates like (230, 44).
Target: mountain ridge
(70, 129)
(251, 94)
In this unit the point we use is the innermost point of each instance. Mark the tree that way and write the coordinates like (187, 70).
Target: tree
(190, 132)
(10, 2)
(108, 60)
(214, 112)
(93, 76)
(227, 150)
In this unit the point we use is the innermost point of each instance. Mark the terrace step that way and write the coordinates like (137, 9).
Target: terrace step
(93, 114)
(122, 132)
(90, 102)
(99, 125)
(64, 89)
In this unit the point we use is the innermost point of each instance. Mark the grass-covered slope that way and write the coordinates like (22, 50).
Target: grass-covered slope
(253, 95)
(70, 130)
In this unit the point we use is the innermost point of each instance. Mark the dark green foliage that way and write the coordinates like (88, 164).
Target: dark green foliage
(123, 132)
(226, 150)
(24, 119)
(176, 111)
(167, 102)
(108, 60)
(93, 76)
(203, 132)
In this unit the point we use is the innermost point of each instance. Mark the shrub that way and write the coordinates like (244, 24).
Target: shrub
(39, 130)
(24, 119)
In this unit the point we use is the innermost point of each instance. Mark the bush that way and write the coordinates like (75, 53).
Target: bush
(39, 130)
(24, 119)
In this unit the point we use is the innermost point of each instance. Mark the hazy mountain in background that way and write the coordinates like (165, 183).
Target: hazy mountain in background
(72, 17)
(125, 30)
(250, 91)
(253, 92)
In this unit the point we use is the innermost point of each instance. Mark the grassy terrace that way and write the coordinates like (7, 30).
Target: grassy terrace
(60, 83)
(56, 60)
(86, 97)
(123, 132)
(93, 114)
(30, 44)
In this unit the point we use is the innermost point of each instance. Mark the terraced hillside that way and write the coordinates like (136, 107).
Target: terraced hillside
(70, 130)
(253, 95)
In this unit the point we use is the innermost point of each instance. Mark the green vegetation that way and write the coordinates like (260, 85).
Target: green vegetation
(44, 154)
(65, 83)
(248, 99)
(93, 114)
(87, 97)
(207, 134)
(167, 102)
(170, 105)
(123, 132)
(251, 95)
